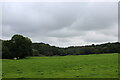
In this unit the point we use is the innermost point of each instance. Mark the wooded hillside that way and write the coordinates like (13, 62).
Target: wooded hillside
(21, 47)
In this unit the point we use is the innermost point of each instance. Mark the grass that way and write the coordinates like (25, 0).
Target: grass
(80, 66)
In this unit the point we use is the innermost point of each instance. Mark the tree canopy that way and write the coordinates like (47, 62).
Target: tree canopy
(18, 46)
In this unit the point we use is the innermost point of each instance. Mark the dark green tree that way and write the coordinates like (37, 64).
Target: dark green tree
(6, 53)
(21, 46)
(18, 46)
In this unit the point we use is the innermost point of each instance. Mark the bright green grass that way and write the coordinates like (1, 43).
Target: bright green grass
(82, 66)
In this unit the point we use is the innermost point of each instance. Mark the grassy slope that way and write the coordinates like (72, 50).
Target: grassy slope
(83, 66)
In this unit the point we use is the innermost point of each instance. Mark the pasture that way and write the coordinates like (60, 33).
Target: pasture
(72, 66)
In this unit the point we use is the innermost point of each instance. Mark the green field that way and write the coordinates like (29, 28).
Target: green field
(81, 66)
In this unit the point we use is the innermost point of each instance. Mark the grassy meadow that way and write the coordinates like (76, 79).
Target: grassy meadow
(73, 66)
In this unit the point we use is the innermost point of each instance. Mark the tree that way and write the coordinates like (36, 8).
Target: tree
(18, 46)
(6, 53)
(0, 48)
(21, 46)
(35, 52)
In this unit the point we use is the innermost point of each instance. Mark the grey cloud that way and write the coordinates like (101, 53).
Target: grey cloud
(99, 16)
(65, 32)
(61, 24)
(93, 36)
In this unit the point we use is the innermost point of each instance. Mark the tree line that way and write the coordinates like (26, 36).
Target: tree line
(21, 47)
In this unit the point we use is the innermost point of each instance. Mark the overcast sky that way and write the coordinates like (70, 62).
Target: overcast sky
(62, 23)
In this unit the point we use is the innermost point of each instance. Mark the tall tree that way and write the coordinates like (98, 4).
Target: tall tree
(21, 46)
(18, 47)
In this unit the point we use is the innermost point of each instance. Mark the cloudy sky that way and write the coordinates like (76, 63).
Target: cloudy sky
(61, 23)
